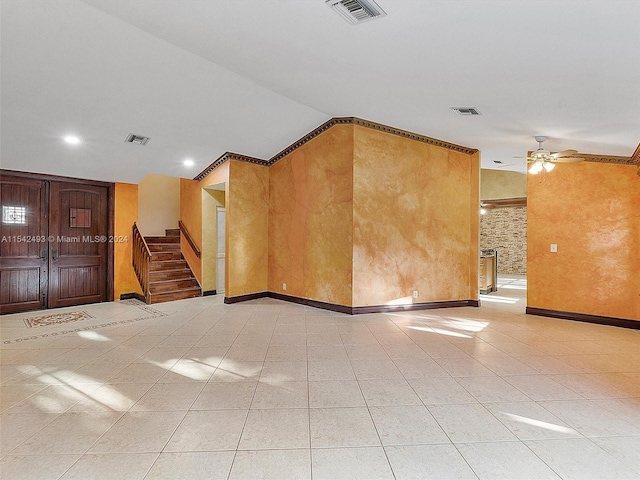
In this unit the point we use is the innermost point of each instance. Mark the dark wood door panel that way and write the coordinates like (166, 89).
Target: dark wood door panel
(23, 244)
(78, 263)
(20, 289)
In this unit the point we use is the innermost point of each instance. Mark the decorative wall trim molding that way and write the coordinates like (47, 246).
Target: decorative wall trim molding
(583, 317)
(606, 159)
(353, 310)
(504, 202)
(323, 128)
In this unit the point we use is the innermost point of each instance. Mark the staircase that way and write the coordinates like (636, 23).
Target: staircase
(170, 277)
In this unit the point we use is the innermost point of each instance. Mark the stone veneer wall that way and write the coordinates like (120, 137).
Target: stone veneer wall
(506, 230)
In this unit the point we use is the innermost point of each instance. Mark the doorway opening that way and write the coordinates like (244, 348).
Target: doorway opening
(214, 277)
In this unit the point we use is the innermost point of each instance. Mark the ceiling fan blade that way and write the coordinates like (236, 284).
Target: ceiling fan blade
(567, 160)
(564, 153)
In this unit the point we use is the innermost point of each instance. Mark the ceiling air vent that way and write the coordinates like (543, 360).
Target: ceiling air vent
(137, 139)
(466, 111)
(356, 11)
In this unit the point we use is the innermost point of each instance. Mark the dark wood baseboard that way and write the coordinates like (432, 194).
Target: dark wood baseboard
(312, 303)
(244, 298)
(414, 306)
(208, 293)
(583, 317)
(137, 296)
(352, 310)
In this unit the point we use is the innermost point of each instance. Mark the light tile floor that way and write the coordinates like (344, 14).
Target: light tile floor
(265, 389)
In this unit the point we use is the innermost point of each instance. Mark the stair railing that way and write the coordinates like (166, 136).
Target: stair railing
(189, 239)
(140, 258)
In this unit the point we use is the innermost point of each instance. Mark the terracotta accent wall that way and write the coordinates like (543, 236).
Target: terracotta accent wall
(415, 221)
(126, 212)
(311, 219)
(191, 217)
(505, 229)
(247, 211)
(592, 212)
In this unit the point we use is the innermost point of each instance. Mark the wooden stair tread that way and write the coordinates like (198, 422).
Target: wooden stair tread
(170, 277)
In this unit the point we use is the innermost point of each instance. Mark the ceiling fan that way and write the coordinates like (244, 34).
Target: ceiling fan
(543, 159)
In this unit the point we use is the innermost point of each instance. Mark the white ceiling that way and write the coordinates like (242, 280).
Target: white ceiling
(201, 77)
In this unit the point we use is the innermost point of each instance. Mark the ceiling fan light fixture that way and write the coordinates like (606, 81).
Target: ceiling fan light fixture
(548, 166)
(536, 168)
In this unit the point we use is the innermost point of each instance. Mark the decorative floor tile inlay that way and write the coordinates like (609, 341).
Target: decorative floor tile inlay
(56, 318)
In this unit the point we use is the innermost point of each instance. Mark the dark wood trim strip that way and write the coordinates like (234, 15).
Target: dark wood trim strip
(245, 298)
(311, 303)
(584, 317)
(323, 128)
(504, 202)
(137, 296)
(208, 293)
(352, 310)
(54, 178)
(414, 306)
(189, 239)
(111, 194)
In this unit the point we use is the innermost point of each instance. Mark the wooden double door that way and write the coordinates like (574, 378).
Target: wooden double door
(54, 243)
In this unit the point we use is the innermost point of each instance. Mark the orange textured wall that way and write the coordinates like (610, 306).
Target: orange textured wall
(415, 221)
(311, 219)
(126, 212)
(592, 212)
(191, 217)
(247, 212)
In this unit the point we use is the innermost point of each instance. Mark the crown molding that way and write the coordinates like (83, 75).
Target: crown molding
(636, 157)
(228, 156)
(323, 128)
(606, 159)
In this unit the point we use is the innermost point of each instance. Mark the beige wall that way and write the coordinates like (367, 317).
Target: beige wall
(497, 184)
(592, 212)
(311, 219)
(415, 219)
(158, 204)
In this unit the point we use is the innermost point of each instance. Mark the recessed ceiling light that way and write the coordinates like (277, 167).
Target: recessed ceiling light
(188, 162)
(72, 140)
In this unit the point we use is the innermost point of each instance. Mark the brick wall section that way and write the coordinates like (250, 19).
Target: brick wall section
(506, 230)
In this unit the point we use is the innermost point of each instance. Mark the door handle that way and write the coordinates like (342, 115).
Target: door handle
(54, 254)
(44, 253)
